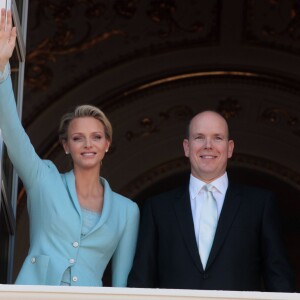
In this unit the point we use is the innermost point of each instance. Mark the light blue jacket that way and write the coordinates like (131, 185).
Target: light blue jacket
(55, 216)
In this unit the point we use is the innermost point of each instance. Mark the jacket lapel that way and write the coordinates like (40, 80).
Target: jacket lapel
(230, 208)
(185, 219)
(107, 203)
(69, 179)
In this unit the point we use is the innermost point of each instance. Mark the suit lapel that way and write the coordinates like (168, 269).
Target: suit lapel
(185, 219)
(230, 208)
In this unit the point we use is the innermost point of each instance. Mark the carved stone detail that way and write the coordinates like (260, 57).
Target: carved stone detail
(66, 40)
(280, 116)
(129, 21)
(274, 168)
(154, 175)
(182, 165)
(126, 8)
(273, 24)
(229, 108)
(164, 13)
(149, 125)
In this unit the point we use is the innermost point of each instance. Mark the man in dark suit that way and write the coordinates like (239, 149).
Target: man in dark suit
(182, 246)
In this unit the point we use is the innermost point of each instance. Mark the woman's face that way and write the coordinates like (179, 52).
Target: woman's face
(86, 142)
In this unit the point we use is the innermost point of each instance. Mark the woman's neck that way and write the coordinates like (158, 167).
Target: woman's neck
(89, 189)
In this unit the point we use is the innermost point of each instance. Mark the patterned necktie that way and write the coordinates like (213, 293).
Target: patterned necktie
(208, 224)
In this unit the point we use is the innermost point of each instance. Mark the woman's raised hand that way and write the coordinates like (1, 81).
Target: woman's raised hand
(8, 36)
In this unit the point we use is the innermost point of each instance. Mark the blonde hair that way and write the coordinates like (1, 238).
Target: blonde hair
(82, 111)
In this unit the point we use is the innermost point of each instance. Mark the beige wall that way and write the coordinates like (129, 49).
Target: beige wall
(15, 292)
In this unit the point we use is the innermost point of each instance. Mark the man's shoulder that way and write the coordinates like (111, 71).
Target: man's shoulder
(248, 188)
(250, 192)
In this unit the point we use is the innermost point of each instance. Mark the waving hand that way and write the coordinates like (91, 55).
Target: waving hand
(8, 35)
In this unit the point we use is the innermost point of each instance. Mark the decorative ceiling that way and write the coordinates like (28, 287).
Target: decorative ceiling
(68, 42)
(71, 41)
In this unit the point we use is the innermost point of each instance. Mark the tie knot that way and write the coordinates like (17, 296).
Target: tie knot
(209, 187)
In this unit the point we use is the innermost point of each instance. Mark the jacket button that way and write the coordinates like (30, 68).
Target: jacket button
(71, 260)
(75, 244)
(33, 260)
(74, 278)
(205, 276)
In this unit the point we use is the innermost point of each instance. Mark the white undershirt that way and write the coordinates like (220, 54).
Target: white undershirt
(197, 194)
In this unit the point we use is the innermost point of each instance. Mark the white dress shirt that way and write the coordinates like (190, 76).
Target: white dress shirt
(198, 193)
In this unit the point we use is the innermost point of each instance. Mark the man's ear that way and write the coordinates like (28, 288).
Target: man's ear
(186, 147)
(230, 148)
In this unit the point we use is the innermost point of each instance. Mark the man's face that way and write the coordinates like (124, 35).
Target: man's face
(208, 147)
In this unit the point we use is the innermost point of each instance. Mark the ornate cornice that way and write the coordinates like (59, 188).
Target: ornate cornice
(228, 106)
(283, 118)
(139, 28)
(182, 164)
(149, 125)
(231, 77)
(273, 24)
(265, 165)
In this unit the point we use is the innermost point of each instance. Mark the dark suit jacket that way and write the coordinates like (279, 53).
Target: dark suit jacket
(247, 249)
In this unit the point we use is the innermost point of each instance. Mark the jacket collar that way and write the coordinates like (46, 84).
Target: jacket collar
(69, 179)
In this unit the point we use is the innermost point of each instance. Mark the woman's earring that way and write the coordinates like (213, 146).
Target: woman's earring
(67, 152)
(106, 150)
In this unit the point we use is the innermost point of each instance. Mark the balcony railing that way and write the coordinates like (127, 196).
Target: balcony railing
(16, 292)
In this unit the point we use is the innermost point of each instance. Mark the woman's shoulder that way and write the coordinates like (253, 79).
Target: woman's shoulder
(119, 199)
(126, 201)
(124, 204)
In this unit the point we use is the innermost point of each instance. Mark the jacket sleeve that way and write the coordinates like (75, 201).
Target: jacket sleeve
(124, 253)
(144, 271)
(278, 275)
(20, 150)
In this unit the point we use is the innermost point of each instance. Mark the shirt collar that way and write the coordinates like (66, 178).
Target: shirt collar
(220, 184)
